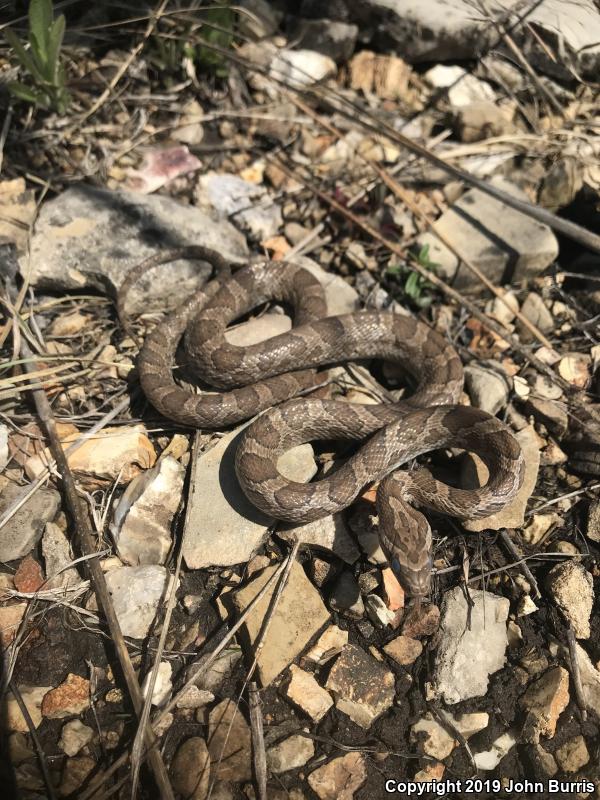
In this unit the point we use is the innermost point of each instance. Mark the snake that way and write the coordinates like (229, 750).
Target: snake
(270, 383)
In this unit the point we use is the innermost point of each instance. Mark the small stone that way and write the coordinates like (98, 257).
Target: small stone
(136, 593)
(526, 606)
(57, 556)
(489, 759)
(219, 671)
(503, 310)
(481, 120)
(433, 739)
(340, 778)
(195, 697)
(74, 774)
(481, 643)
(515, 637)
(575, 368)
(229, 743)
(299, 615)
(593, 522)
(534, 309)
(189, 129)
(322, 571)
(24, 529)
(301, 68)
(4, 451)
(190, 769)
(329, 533)
(545, 700)
(379, 614)
(162, 686)
(257, 564)
(305, 692)
(74, 736)
(539, 526)
(10, 620)
(247, 204)
(487, 388)
(345, 597)
(404, 650)
(463, 88)
(421, 621)
(18, 749)
(32, 696)
(291, 753)
(572, 587)
(364, 688)
(143, 516)
(329, 644)
(568, 548)
(29, 576)
(549, 413)
(70, 698)
(430, 772)
(573, 755)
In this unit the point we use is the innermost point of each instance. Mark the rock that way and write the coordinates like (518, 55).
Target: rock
(159, 166)
(331, 38)
(534, 309)
(263, 20)
(17, 213)
(421, 621)
(489, 759)
(513, 515)
(340, 778)
(114, 454)
(404, 650)
(329, 533)
(68, 324)
(593, 522)
(229, 743)
(482, 120)
(430, 772)
(32, 696)
(190, 770)
(590, 679)
(74, 736)
(57, 556)
(24, 529)
(379, 614)
(300, 68)
(487, 388)
(10, 620)
(136, 593)
(572, 588)
(503, 310)
(291, 753)
(223, 527)
(321, 571)
(363, 687)
(91, 237)
(345, 597)
(526, 606)
(543, 761)
(432, 738)
(18, 749)
(195, 697)
(29, 576)
(329, 644)
(190, 129)
(246, 204)
(506, 245)
(299, 615)
(219, 671)
(464, 89)
(545, 700)
(572, 755)
(551, 414)
(75, 773)
(257, 330)
(70, 698)
(539, 526)
(575, 368)
(143, 516)
(305, 692)
(341, 298)
(162, 686)
(475, 636)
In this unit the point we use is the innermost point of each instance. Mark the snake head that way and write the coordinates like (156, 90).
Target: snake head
(415, 579)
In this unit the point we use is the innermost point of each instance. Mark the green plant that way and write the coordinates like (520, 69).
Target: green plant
(416, 286)
(41, 59)
(221, 35)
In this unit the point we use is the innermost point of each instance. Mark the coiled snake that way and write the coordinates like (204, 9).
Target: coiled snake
(260, 377)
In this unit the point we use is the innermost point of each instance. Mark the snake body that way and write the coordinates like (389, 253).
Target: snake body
(264, 377)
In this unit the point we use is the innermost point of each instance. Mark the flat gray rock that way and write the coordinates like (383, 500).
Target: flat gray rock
(25, 528)
(330, 533)
(471, 644)
(504, 244)
(90, 238)
(136, 593)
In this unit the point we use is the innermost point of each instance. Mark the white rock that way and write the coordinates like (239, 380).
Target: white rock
(328, 645)
(463, 88)
(3, 446)
(162, 686)
(195, 697)
(144, 514)
(32, 696)
(136, 593)
(526, 606)
(301, 67)
(505, 309)
(489, 759)
(74, 736)
(57, 555)
(468, 653)
(590, 679)
(305, 692)
(572, 587)
(487, 388)
(291, 753)
(329, 533)
(339, 778)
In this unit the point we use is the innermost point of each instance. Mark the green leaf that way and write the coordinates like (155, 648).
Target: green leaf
(55, 39)
(40, 20)
(24, 92)
(412, 287)
(23, 55)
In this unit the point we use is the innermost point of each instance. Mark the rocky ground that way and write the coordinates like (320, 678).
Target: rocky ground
(283, 662)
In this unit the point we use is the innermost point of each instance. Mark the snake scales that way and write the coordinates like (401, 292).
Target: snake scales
(260, 377)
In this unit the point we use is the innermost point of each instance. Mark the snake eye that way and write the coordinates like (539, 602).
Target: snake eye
(395, 565)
